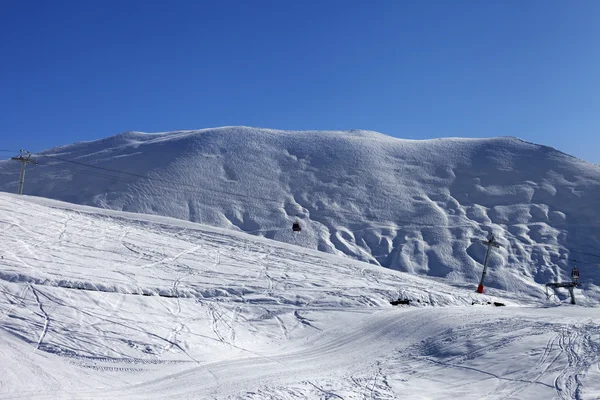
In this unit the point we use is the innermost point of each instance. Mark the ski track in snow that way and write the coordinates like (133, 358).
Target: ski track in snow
(583, 352)
(94, 305)
(45, 316)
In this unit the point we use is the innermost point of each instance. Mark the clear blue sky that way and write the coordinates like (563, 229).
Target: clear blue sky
(83, 70)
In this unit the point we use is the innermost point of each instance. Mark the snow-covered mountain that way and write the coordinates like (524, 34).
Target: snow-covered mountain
(414, 206)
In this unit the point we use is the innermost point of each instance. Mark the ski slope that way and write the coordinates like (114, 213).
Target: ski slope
(416, 206)
(105, 304)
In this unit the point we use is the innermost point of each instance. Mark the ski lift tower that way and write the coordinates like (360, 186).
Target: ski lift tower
(24, 158)
(569, 285)
(491, 242)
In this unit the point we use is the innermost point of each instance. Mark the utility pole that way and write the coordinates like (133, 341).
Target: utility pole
(491, 242)
(24, 158)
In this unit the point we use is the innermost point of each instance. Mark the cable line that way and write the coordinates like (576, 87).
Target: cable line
(155, 179)
(212, 194)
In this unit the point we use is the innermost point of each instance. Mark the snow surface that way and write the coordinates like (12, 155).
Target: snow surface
(413, 206)
(105, 304)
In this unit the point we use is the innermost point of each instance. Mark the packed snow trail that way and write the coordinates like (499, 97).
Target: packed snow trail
(101, 304)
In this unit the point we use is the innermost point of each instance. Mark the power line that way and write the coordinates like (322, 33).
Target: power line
(168, 185)
(165, 186)
(584, 263)
(212, 194)
(156, 179)
(587, 254)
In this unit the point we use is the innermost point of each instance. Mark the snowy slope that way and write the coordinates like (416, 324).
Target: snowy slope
(413, 206)
(241, 317)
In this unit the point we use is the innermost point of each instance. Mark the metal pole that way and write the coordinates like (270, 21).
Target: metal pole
(572, 294)
(24, 161)
(485, 264)
(491, 242)
(22, 180)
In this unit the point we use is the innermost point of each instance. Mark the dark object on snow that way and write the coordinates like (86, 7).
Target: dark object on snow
(498, 304)
(396, 302)
(296, 227)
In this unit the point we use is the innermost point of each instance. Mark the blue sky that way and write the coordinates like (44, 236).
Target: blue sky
(83, 70)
